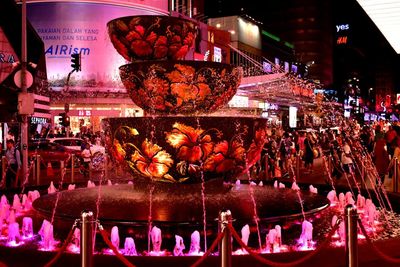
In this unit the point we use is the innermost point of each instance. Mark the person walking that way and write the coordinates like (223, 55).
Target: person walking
(13, 158)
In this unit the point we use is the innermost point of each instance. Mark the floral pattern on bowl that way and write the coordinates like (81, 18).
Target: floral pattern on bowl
(152, 37)
(180, 87)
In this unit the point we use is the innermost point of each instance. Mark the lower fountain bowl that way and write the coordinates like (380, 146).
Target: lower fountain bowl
(186, 149)
(174, 204)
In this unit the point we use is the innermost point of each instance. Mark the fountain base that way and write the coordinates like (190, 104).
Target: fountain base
(179, 203)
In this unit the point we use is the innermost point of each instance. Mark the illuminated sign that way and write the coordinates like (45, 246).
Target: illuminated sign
(217, 54)
(77, 27)
(398, 99)
(292, 117)
(267, 67)
(277, 61)
(239, 102)
(342, 30)
(83, 113)
(206, 55)
(294, 68)
(37, 120)
(286, 64)
(342, 27)
(268, 106)
(341, 40)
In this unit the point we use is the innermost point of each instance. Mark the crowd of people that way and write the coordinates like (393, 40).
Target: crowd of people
(346, 146)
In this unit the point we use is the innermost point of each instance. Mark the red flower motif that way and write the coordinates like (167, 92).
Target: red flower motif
(192, 144)
(156, 86)
(118, 152)
(141, 48)
(254, 152)
(225, 158)
(160, 47)
(186, 85)
(152, 162)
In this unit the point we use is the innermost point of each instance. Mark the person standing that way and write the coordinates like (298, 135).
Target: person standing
(86, 157)
(308, 153)
(13, 158)
(381, 159)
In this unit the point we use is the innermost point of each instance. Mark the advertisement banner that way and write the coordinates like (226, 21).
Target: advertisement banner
(7, 56)
(77, 27)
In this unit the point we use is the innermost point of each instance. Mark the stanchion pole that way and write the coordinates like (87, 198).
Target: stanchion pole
(395, 175)
(3, 166)
(34, 170)
(225, 218)
(351, 216)
(72, 168)
(38, 169)
(87, 239)
(62, 168)
(297, 166)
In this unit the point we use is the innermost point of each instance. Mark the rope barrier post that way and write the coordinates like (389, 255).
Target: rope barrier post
(297, 166)
(87, 239)
(395, 175)
(72, 168)
(3, 170)
(351, 216)
(37, 169)
(34, 170)
(266, 167)
(62, 167)
(225, 218)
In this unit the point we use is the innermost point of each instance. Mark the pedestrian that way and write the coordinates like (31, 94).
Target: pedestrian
(13, 159)
(309, 152)
(381, 159)
(346, 157)
(86, 159)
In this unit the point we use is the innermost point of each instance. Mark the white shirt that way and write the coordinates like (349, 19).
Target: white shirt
(86, 155)
(345, 159)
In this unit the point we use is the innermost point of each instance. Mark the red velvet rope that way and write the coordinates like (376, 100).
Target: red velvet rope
(376, 249)
(212, 247)
(62, 249)
(282, 264)
(124, 260)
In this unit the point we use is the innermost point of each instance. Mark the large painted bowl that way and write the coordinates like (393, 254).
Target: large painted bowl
(152, 37)
(186, 149)
(180, 87)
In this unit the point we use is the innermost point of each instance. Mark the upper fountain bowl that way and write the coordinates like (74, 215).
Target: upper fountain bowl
(180, 87)
(152, 37)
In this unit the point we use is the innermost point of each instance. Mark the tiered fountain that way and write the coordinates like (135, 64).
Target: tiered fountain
(185, 165)
(179, 156)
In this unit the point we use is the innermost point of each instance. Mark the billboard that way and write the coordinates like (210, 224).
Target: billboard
(77, 27)
(7, 56)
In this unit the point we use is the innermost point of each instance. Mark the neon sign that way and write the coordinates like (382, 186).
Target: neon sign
(342, 27)
(341, 40)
